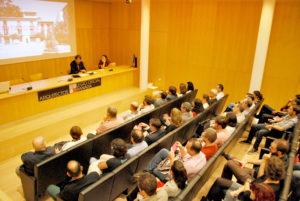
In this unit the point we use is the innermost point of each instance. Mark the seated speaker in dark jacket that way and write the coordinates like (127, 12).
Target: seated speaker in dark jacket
(77, 65)
(30, 159)
(77, 181)
(154, 131)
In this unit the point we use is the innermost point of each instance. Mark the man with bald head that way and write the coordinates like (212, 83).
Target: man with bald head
(41, 152)
(110, 121)
(77, 182)
(132, 112)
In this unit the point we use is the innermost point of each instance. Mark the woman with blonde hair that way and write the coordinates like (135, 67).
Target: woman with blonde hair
(173, 121)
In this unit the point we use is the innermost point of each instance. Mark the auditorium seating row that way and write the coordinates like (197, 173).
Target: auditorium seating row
(289, 173)
(292, 135)
(121, 179)
(191, 191)
(53, 170)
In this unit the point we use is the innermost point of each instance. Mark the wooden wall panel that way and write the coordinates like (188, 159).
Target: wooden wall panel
(281, 79)
(204, 41)
(125, 26)
(92, 30)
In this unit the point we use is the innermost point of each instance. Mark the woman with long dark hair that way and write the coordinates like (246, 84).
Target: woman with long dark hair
(197, 107)
(104, 62)
(178, 179)
(190, 86)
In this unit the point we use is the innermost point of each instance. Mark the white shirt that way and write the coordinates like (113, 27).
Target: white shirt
(147, 108)
(230, 129)
(220, 95)
(137, 148)
(72, 143)
(171, 188)
(240, 117)
(127, 115)
(246, 112)
(205, 105)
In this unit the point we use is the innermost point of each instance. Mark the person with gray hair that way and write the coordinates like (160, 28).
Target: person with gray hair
(30, 159)
(186, 109)
(247, 103)
(213, 96)
(132, 112)
(110, 121)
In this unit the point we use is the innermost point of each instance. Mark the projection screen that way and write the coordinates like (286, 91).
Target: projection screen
(36, 30)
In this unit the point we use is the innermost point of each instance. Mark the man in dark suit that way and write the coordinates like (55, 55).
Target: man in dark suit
(77, 65)
(30, 159)
(154, 129)
(172, 93)
(77, 181)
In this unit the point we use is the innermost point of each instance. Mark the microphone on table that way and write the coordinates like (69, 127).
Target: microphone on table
(69, 79)
(29, 83)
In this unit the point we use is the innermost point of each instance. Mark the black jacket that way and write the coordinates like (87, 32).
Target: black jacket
(74, 69)
(153, 137)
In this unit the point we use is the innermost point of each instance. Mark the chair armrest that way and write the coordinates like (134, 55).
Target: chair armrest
(263, 151)
(28, 185)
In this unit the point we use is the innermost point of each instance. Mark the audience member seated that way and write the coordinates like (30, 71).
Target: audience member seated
(247, 103)
(172, 93)
(257, 97)
(222, 133)
(76, 134)
(110, 121)
(192, 157)
(220, 93)
(173, 121)
(108, 163)
(213, 96)
(205, 101)
(197, 107)
(178, 178)
(295, 186)
(153, 131)
(146, 190)
(235, 167)
(255, 192)
(293, 101)
(186, 109)
(238, 110)
(270, 112)
(247, 96)
(209, 137)
(76, 182)
(138, 143)
(231, 122)
(280, 113)
(190, 86)
(182, 89)
(282, 124)
(274, 172)
(147, 105)
(161, 99)
(132, 112)
(30, 159)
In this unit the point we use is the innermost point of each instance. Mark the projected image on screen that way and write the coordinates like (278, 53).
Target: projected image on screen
(34, 27)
